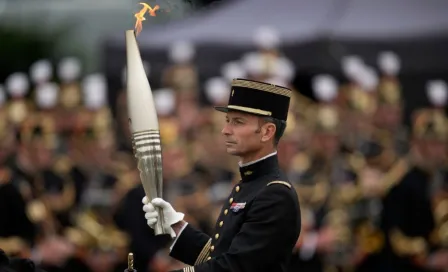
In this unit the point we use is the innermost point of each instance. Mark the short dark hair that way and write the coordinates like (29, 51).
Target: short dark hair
(280, 127)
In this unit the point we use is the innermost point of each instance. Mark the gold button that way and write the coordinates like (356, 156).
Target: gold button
(217, 236)
(231, 200)
(212, 248)
(226, 211)
(221, 223)
(237, 189)
(209, 258)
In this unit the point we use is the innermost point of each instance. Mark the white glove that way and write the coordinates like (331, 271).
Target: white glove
(171, 217)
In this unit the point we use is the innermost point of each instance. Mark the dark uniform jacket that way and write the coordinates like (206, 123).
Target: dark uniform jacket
(256, 230)
(407, 209)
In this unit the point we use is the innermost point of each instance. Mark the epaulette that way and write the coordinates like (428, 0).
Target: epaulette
(279, 182)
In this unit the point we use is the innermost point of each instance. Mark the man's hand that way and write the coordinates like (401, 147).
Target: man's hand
(172, 220)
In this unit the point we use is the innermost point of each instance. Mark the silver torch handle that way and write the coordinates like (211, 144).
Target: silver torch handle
(148, 151)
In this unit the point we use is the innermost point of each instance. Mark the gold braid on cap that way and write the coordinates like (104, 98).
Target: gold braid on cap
(262, 87)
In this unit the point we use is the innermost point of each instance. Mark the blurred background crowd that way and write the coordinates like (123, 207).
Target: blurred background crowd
(365, 145)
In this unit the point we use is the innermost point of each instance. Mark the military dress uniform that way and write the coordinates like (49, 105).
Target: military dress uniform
(408, 219)
(260, 223)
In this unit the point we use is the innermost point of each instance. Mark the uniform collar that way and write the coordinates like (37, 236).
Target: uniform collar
(260, 167)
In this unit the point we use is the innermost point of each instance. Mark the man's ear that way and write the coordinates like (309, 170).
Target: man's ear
(268, 132)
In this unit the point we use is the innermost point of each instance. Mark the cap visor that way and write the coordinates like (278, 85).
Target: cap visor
(222, 109)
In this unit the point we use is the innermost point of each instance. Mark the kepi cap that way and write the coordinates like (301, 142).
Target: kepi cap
(258, 98)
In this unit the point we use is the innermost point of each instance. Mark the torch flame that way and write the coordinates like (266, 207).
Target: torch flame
(140, 16)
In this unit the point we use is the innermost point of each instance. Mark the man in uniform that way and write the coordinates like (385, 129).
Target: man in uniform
(260, 223)
(407, 215)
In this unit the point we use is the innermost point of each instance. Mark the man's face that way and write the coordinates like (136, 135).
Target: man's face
(243, 133)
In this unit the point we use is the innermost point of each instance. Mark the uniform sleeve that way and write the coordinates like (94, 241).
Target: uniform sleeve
(191, 247)
(179, 234)
(267, 236)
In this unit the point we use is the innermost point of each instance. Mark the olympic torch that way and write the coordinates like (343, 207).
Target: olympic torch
(144, 126)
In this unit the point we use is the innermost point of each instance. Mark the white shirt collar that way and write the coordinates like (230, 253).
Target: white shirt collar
(260, 159)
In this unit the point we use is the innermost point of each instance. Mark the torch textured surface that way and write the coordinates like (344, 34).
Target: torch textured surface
(148, 151)
(144, 126)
